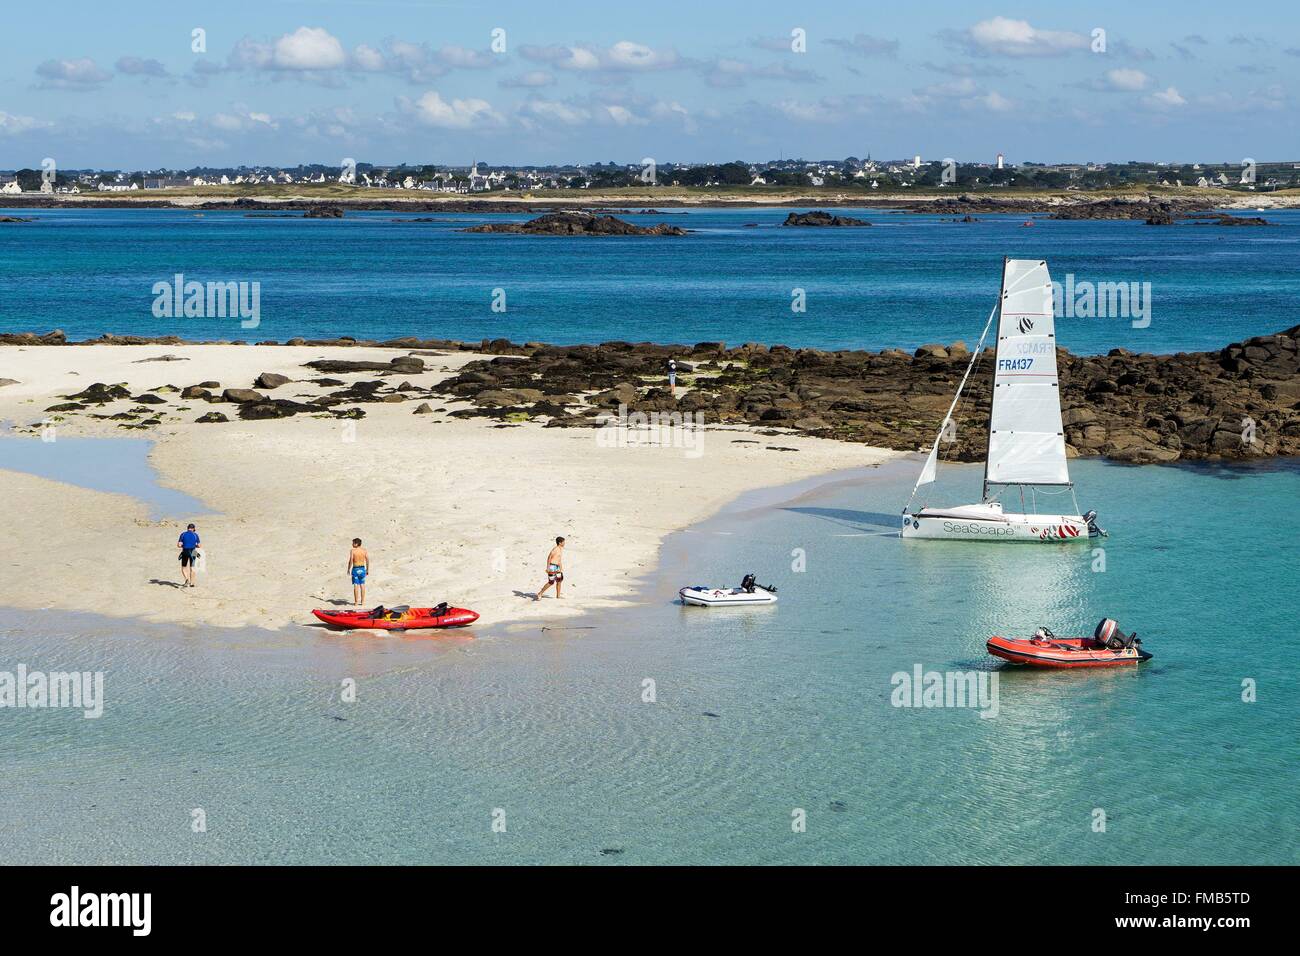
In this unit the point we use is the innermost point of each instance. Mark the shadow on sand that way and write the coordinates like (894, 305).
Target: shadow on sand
(847, 518)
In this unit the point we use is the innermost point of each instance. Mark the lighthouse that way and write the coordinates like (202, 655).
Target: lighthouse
(916, 161)
(999, 160)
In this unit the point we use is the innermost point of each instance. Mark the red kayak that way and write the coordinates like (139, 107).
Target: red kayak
(402, 618)
(1108, 647)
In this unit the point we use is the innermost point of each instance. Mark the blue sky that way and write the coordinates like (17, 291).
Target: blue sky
(284, 82)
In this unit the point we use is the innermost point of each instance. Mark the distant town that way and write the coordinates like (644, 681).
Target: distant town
(843, 175)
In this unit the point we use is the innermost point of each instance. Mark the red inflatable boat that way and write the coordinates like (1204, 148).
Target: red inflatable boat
(402, 618)
(1108, 647)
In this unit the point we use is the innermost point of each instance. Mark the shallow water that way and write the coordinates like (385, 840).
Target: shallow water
(116, 465)
(757, 711)
(907, 280)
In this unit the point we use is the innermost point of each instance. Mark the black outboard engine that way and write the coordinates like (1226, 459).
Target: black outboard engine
(1093, 530)
(1112, 638)
(748, 583)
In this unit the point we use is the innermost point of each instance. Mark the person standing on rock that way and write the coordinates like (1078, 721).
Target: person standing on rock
(672, 374)
(188, 545)
(554, 570)
(358, 568)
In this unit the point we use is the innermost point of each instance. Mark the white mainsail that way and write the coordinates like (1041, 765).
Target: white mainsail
(1026, 440)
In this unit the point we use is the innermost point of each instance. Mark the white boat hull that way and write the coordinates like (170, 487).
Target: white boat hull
(724, 597)
(989, 523)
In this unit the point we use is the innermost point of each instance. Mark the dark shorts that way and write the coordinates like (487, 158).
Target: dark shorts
(188, 557)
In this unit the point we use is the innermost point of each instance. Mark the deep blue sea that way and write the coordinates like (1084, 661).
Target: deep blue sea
(906, 281)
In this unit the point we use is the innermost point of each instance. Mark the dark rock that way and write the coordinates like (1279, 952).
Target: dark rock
(820, 218)
(270, 380)
(101, 393)
(577, 224)
(212, 417)
(242, 396)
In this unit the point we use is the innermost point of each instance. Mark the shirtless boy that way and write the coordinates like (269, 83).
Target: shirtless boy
(358, 567)
(554, 569)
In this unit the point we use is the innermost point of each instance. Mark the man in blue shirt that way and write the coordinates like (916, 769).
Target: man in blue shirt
(189, 546)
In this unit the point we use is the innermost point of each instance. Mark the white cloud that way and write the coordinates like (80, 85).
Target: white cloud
(623, 57)
(367, 59)
(995, 102)
(727, 72)
(1002, 36)
(79, 74)
(12, 125)
(1127, 79)
(1166, 98)
(622, 116)
(137, 66)
(432, 110)
(459, 56)
(241, 122)
(552, 112)
(308, 48)
(636, 56)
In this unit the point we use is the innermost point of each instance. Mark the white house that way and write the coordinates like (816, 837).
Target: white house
(10, 186)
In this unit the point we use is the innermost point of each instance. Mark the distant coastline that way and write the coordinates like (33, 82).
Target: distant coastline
(301, 197)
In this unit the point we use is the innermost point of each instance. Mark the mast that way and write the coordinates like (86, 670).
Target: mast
(993, 380)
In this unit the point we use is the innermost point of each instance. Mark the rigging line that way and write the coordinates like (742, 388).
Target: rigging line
(979, 348)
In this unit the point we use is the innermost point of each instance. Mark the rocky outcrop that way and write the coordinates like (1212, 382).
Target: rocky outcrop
(1224, 219)
(1240, 402)
(820, 218)
(577, 224)
(270, 380)
(410, 364)
(57, 337)
(323, 212)
(99, 394)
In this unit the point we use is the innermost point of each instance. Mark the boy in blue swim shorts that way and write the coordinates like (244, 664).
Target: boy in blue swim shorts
(358, 565)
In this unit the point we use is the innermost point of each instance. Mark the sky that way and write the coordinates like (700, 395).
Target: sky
(145, 84)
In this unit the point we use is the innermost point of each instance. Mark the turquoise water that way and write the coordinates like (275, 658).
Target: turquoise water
(757, 711)
(906, 281)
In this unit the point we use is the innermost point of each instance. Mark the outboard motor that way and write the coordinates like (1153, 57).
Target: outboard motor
(748, 583)
(1112, 638)
(1093, 530)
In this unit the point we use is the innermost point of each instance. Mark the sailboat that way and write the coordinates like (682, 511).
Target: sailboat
(1026, 445)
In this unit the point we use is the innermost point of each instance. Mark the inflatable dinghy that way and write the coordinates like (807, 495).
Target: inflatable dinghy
(749, 592)
(1108, 647)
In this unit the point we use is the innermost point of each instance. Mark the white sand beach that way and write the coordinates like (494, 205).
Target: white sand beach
(457, 510)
